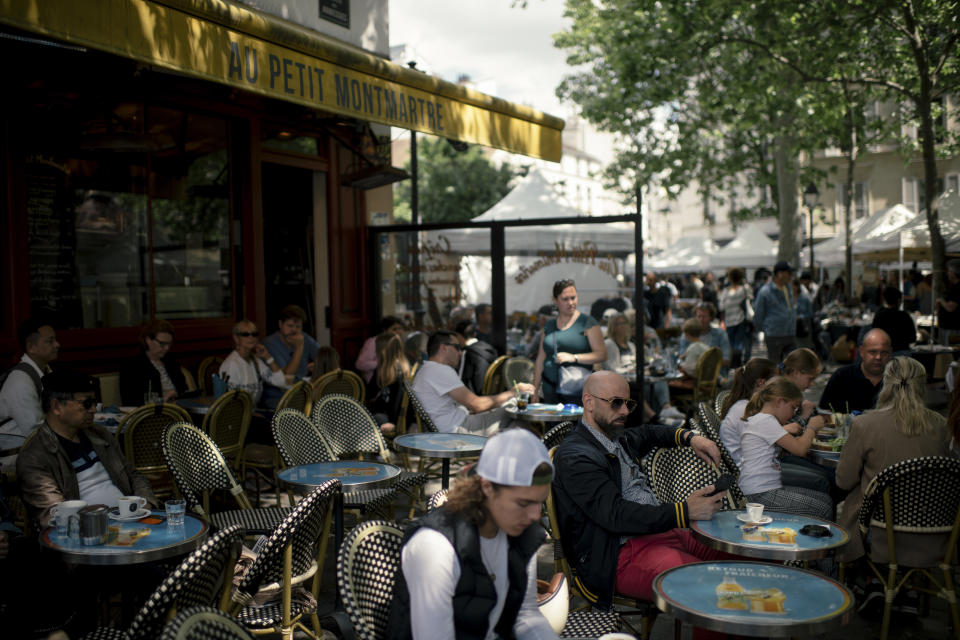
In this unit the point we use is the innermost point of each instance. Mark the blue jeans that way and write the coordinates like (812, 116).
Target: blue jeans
(741, 344)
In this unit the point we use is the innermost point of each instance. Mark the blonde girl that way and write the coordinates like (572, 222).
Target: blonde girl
(385, 389)
(770, 408)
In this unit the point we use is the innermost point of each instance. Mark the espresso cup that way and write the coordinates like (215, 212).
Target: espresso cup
(754, 511)
(129, 505)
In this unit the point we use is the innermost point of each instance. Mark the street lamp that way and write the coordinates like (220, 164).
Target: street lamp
(811, 196)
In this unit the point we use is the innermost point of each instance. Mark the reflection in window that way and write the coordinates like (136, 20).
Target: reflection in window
(131, 222)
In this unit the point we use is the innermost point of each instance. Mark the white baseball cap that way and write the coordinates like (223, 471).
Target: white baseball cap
(511, 457)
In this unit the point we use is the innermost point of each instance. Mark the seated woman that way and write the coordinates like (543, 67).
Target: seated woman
(901, 427)
(154, 373)
(768, 411)
(469, 568)
(385, 389)
(621, 352)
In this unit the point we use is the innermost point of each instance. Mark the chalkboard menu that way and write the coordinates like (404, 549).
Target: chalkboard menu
(52, 240)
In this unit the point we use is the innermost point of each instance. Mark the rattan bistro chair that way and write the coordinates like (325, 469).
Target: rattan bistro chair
(205, 623)
(627, 607)
(674, 473)
(437, 500)
(198, 468)
(708, 424)
(227, 423)
(424, 421)
(203, 578)
(264, 459)
(556, 434)
(299, 442)
(140, 431)
(915, 496)
(340, 381)
(367, 566)
(493, 377)
(705, 382)
(350, 430)
(205, 372)
(292, 555)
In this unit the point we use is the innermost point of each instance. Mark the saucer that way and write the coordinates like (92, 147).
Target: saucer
(114, 514)
(743, 517)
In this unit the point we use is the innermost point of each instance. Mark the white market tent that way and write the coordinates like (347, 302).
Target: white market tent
(687, 254)
(751, 248)
(535, 197)
(914, 236)
(868, 231)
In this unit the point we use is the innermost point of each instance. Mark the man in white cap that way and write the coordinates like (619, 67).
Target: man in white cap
(616, 533)
(469, 568)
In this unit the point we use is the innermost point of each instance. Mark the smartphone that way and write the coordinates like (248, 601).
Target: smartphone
(722, 484)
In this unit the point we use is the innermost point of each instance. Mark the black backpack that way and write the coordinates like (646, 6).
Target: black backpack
(30, 371)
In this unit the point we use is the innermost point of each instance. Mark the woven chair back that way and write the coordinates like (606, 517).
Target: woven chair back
(518, 370)
(437, 500)
(188, 379)
(924, 496)
(340, 381)
(208, 367)
(298, 440)
(424, 421)
(367, 567)
(205, 623)
(348, 427)
(677, 472)
(198, 466)
(557, 433)
(141, 431)
(304, 529)
(199, 580)
(493, 378)
(299, 397)
(720, 401)
(228, 421)
(708, 375)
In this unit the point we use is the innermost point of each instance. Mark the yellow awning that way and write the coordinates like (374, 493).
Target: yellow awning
(227, 43)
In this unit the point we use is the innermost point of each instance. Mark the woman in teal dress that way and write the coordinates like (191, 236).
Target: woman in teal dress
(572, 339)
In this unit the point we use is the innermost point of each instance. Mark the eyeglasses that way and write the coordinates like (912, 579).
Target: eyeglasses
(163, 343)
(247, 334)
(88, 403)
(617, 403)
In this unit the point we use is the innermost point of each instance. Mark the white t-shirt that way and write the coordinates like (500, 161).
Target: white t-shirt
(431, 569)
(760, 465)
(731, 430)
(250, 375)
(432, 384)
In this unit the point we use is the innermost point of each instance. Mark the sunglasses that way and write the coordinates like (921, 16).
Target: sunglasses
(88, 403)
(617, 403)
(247, 334)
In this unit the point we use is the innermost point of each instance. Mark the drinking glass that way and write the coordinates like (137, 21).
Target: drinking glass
(176, 510)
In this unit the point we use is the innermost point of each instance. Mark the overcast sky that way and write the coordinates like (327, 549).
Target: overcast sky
(507, 52)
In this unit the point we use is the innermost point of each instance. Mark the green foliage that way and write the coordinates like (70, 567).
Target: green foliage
(453, 186)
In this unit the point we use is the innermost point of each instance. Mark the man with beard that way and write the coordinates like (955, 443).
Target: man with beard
(616, 533)
(855, 387)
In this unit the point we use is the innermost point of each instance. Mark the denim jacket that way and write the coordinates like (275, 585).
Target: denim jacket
(773, 314)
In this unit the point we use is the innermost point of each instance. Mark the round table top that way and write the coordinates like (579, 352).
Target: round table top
(540, 412)
(440, 445)
(778, 540)
(155, 540)
(753, 598)
(199, 405)
(826, 458)
(354, 475)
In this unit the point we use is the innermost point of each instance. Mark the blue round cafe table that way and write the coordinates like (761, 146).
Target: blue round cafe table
(444, 446)
(160, 542)
(753, 598)
(780, 539)
(539, 412)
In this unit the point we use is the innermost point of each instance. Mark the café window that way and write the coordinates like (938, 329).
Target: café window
(132, 220)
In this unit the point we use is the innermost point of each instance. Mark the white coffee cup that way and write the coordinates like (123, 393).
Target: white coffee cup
(129, 505)
(66, 509)
(617, 636)
(754, 511)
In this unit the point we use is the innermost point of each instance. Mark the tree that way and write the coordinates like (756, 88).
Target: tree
(452, 186)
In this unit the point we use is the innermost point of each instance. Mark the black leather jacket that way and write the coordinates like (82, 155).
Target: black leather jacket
(592, 511)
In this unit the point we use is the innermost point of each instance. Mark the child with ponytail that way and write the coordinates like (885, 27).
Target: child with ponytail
(770, 408)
